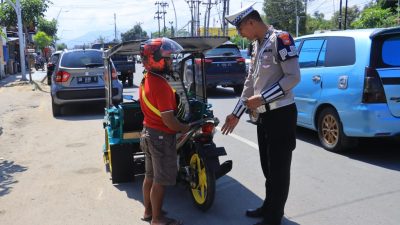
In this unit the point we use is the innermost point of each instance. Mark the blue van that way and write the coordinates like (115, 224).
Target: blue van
(350, 85)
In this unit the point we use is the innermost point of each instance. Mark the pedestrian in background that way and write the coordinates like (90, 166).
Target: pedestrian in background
(268, 92)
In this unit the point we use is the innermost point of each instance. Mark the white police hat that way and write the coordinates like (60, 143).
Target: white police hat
(237, 17)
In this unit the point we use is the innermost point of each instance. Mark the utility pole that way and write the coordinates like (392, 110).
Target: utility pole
(340, 15)
(115, 27)
(191, 7)
(176, 20)
(345, 16)
(158, 17)
(297, 20)
(17, 8)
(207, 17)
(164, 5)
(172, 28)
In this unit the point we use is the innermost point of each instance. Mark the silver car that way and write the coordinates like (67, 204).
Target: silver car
(79, 78)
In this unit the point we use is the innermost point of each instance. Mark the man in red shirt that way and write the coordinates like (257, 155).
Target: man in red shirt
(158, 141)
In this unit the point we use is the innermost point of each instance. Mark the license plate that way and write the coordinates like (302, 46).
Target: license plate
(87, 80)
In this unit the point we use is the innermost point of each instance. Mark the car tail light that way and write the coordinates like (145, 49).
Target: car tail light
(208, 128)
(114, 75)
(198, 61)
(62, 76)
(373, 91)
(240, 60)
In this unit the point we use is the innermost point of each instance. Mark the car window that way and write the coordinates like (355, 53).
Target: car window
(79, 59)
(54, 58)
(297, 43)
(390, 56)
(223, 51)
(309, 53)
(340, 51)
(321, 58)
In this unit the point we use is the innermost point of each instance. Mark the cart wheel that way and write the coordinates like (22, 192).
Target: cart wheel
(107, 153)
(202, 185)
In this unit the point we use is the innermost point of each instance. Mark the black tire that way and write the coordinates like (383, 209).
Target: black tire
(330, 132)
(56, 109)
(199, 188)
(121, 163)
(238, 89)
(130, 80)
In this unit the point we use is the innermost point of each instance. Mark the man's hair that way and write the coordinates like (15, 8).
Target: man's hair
(254, 15)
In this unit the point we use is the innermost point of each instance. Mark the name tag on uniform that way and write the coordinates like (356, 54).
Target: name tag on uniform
(268, 50)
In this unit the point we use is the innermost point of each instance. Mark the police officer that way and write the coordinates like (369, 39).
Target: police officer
(268, 93)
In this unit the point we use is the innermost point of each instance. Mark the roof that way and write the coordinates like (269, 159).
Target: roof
(355, 32)
(189, 44)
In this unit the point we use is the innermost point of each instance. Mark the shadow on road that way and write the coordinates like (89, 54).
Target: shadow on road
(7, 171)
(82, 112)
(381, 152)
(231, 201)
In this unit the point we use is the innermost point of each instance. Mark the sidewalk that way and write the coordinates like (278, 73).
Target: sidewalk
(37, 76)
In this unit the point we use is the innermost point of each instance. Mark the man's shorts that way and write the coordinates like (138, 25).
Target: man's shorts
(161, 157)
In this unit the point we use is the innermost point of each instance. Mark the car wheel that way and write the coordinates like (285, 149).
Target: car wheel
(56, 109)
(238, 89)
(330, 132)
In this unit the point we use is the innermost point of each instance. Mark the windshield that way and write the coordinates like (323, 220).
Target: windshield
(80, 59)
(389, 56)
(224, 51)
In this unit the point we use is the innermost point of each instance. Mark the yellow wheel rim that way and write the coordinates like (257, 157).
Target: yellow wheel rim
(200, 191)
(330, 130)
(108, 157)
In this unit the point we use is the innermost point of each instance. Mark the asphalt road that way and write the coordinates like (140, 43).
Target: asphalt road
(51, 172)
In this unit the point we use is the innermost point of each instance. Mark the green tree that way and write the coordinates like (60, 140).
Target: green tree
(352, 14)
(317, 22)
(135, 33)
(375, 17)
(48, 26)
(31, 10)
(61, 46)
(282, 15)
(42, 40)
(241, 42)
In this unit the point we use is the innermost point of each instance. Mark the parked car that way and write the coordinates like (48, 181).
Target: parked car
(51, 65)
(246, 55)
(350, 85)
(79, 78)
(224, 66)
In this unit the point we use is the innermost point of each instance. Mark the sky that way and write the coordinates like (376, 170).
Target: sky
(77, 18)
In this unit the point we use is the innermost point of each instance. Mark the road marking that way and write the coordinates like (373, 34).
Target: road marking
(244, 140)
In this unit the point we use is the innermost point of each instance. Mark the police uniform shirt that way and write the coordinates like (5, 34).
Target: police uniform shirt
(275, 64)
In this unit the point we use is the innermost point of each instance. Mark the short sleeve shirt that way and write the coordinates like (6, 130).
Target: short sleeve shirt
(160, 94)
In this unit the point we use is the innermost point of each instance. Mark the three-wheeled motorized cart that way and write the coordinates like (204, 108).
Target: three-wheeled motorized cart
(198, 157)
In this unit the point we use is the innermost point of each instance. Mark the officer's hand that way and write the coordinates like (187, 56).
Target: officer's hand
(254, 102)
(230, 123)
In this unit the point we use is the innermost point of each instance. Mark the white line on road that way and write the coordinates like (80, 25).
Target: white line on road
(244, 140)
